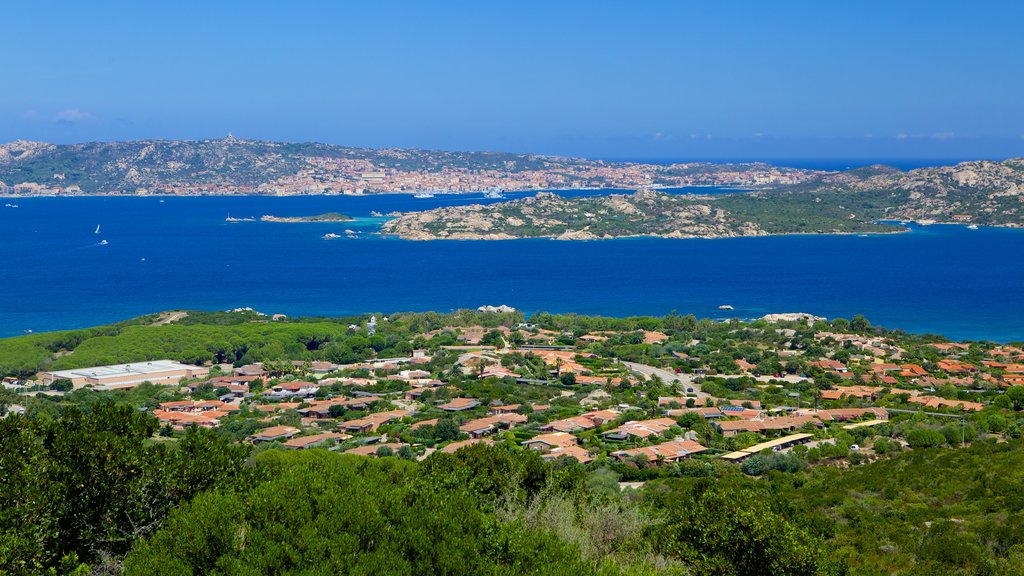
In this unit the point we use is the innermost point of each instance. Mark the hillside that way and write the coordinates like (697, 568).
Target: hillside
(987, 192)
(387, 451)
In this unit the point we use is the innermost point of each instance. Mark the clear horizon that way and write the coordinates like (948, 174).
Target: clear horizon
(661, 80)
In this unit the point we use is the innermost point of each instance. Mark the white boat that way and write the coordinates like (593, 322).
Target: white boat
(331, 236)
(972, 227)
(97, 229)
(726, 307)
(11, 205)
(423, 195)
(104, 242)
(495, 194)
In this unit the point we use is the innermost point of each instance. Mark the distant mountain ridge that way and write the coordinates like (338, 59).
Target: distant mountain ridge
(234, 166)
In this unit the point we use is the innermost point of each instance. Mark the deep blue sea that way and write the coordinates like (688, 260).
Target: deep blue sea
(180, 253)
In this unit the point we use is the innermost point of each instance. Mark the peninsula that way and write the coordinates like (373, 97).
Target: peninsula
(329, 217)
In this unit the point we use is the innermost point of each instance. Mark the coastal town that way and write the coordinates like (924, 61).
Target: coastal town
(640, 399)
(233, 166)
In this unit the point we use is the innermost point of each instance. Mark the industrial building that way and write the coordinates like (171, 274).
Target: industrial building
(127, 375)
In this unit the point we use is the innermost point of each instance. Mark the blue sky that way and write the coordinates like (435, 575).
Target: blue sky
(682, 79)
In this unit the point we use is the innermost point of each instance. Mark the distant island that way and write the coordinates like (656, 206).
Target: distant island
(867, 200)
(644, 213)
(328, 217)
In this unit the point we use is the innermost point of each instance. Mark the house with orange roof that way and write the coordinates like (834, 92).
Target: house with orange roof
(372, 422)
(1007, 351)
(370, 450)
(300, 389)
(550, 441)
(415, 393)
(273, 433)
(829, 365)
(674, 451)
(497, 371)
(744, 366)
(306, 442)
(321, 408)
(422, 423)
(571, 424)
(602, 417)
(578, 452)
(415, 374)
(912, 371)
(936, 402)
(955, 367)
(1008, 380)
(460, 404)
(180, 420)
(879, 378)
(860, 392)
(360, 402)
(640, 429)
(278, 407)
(489, 424)
(786, 423)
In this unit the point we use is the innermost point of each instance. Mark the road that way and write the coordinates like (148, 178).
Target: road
(168, 317)
(669, 377)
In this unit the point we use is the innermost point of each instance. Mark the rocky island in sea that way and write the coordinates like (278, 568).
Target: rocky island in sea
(328, 218)
(868, 200)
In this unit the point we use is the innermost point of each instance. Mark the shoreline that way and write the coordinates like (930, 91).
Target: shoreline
(709, 313)
(733, 188)
(901, 230)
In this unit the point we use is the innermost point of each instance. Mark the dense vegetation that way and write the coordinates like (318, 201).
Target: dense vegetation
(87, 489)
(84, 487)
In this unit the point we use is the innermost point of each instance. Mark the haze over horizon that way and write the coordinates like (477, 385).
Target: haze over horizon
(665, 81)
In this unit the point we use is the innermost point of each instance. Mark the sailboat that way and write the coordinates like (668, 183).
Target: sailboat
(97, 229)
